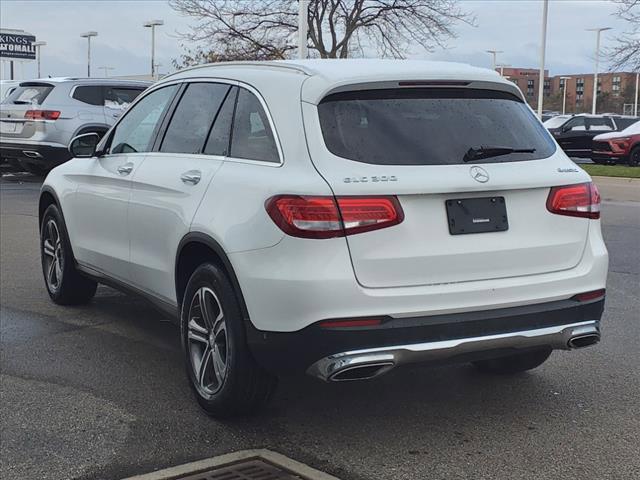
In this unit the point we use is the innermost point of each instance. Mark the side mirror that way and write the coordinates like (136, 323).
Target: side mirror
(84, 146)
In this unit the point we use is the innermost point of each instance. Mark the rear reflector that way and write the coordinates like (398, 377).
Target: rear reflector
(581, 200)
(351, 322)
(586, 296)
(42, 114)
(329, 217)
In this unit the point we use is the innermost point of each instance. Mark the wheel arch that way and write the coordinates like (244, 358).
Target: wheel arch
(194, 249)
(47, 198)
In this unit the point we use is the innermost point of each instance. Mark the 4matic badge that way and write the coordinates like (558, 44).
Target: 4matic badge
(372, 179)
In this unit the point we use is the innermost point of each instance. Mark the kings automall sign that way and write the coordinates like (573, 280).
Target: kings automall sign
(17, 46)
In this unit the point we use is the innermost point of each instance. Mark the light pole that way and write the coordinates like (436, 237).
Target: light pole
(595, 75)
(153, 24)
(543, 51)
(88, 36)
(303, 28)
(564, 93)
(38, 44)
(494, 54)
(106, 70)
(635, 108)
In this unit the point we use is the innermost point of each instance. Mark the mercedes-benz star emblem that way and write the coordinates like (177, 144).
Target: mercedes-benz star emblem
(479, 174)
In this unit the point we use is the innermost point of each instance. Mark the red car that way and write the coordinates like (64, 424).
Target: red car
(618, 147)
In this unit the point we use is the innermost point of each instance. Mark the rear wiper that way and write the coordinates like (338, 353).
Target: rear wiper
(21, 102)
(479, 153)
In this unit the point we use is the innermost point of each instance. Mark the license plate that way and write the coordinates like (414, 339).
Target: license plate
(10, 127)
(477, 215)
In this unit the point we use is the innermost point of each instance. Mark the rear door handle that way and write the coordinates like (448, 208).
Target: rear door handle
(191, 177)
(125, 169)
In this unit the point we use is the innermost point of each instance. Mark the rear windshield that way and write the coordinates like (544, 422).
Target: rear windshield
(29, 94)
(436, 126)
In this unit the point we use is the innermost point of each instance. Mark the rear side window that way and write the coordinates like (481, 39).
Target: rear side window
(120, 97)
(600, 124)
(193, 117)
(89, 94)
(436, 126)
(218, 141)
(29, 94)
(252, 137)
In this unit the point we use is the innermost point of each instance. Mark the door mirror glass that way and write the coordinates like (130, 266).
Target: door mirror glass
(84, 146)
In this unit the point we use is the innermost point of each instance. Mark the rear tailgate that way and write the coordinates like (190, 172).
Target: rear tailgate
(428, 247)
(27, 96)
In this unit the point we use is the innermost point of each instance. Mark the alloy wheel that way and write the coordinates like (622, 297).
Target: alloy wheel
(53, 255)
(207, 342)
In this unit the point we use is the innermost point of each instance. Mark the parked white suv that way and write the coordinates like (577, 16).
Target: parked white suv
(336, 217)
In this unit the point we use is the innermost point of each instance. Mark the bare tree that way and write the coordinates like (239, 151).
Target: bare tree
(626, 52)
(266, 29)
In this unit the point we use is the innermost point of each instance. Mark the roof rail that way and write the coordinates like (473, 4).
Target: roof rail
(263, 63)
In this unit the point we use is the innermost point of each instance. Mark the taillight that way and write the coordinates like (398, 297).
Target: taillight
(42, 114)
(581, 200)
(329, 217)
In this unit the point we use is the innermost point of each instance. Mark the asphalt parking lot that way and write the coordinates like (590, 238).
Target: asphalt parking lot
(99, 391)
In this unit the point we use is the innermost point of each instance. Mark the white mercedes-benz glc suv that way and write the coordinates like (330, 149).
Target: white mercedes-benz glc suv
(339, 218)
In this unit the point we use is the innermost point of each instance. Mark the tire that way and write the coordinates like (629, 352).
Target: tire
(520, 362)
(211, 325)
(65, 285)
(634, 157)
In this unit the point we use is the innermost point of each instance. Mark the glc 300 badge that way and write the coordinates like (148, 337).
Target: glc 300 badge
(373, 179)
(479, 174)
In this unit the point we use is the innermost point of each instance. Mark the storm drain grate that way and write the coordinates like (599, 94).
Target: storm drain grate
(256, 464)
(251, 469)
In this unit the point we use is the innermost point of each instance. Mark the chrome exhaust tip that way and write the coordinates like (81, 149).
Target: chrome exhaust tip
(361, 372)
(581, 341)
(31, 154)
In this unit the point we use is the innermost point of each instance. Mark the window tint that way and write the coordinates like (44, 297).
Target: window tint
(429, 126)
(135, 132)
(252, 137)
(29, 93)
(218, 142)
(91, 94)
(192, 119)
(119, 97)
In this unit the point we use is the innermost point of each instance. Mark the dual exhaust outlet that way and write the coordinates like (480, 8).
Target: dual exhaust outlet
(371, 363)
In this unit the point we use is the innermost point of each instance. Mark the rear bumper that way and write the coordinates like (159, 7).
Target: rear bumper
(449, 338)
(44, 155)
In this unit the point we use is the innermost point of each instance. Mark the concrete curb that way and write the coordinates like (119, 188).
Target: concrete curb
(227, 459)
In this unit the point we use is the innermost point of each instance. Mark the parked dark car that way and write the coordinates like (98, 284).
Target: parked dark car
(574, 133)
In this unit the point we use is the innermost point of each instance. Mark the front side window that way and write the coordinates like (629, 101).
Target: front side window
(193, 117)
(576, 124)
(136, 130)
(423, 126)
(252, 137)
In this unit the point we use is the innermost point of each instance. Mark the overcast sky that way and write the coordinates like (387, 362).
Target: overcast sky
(509, 25)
